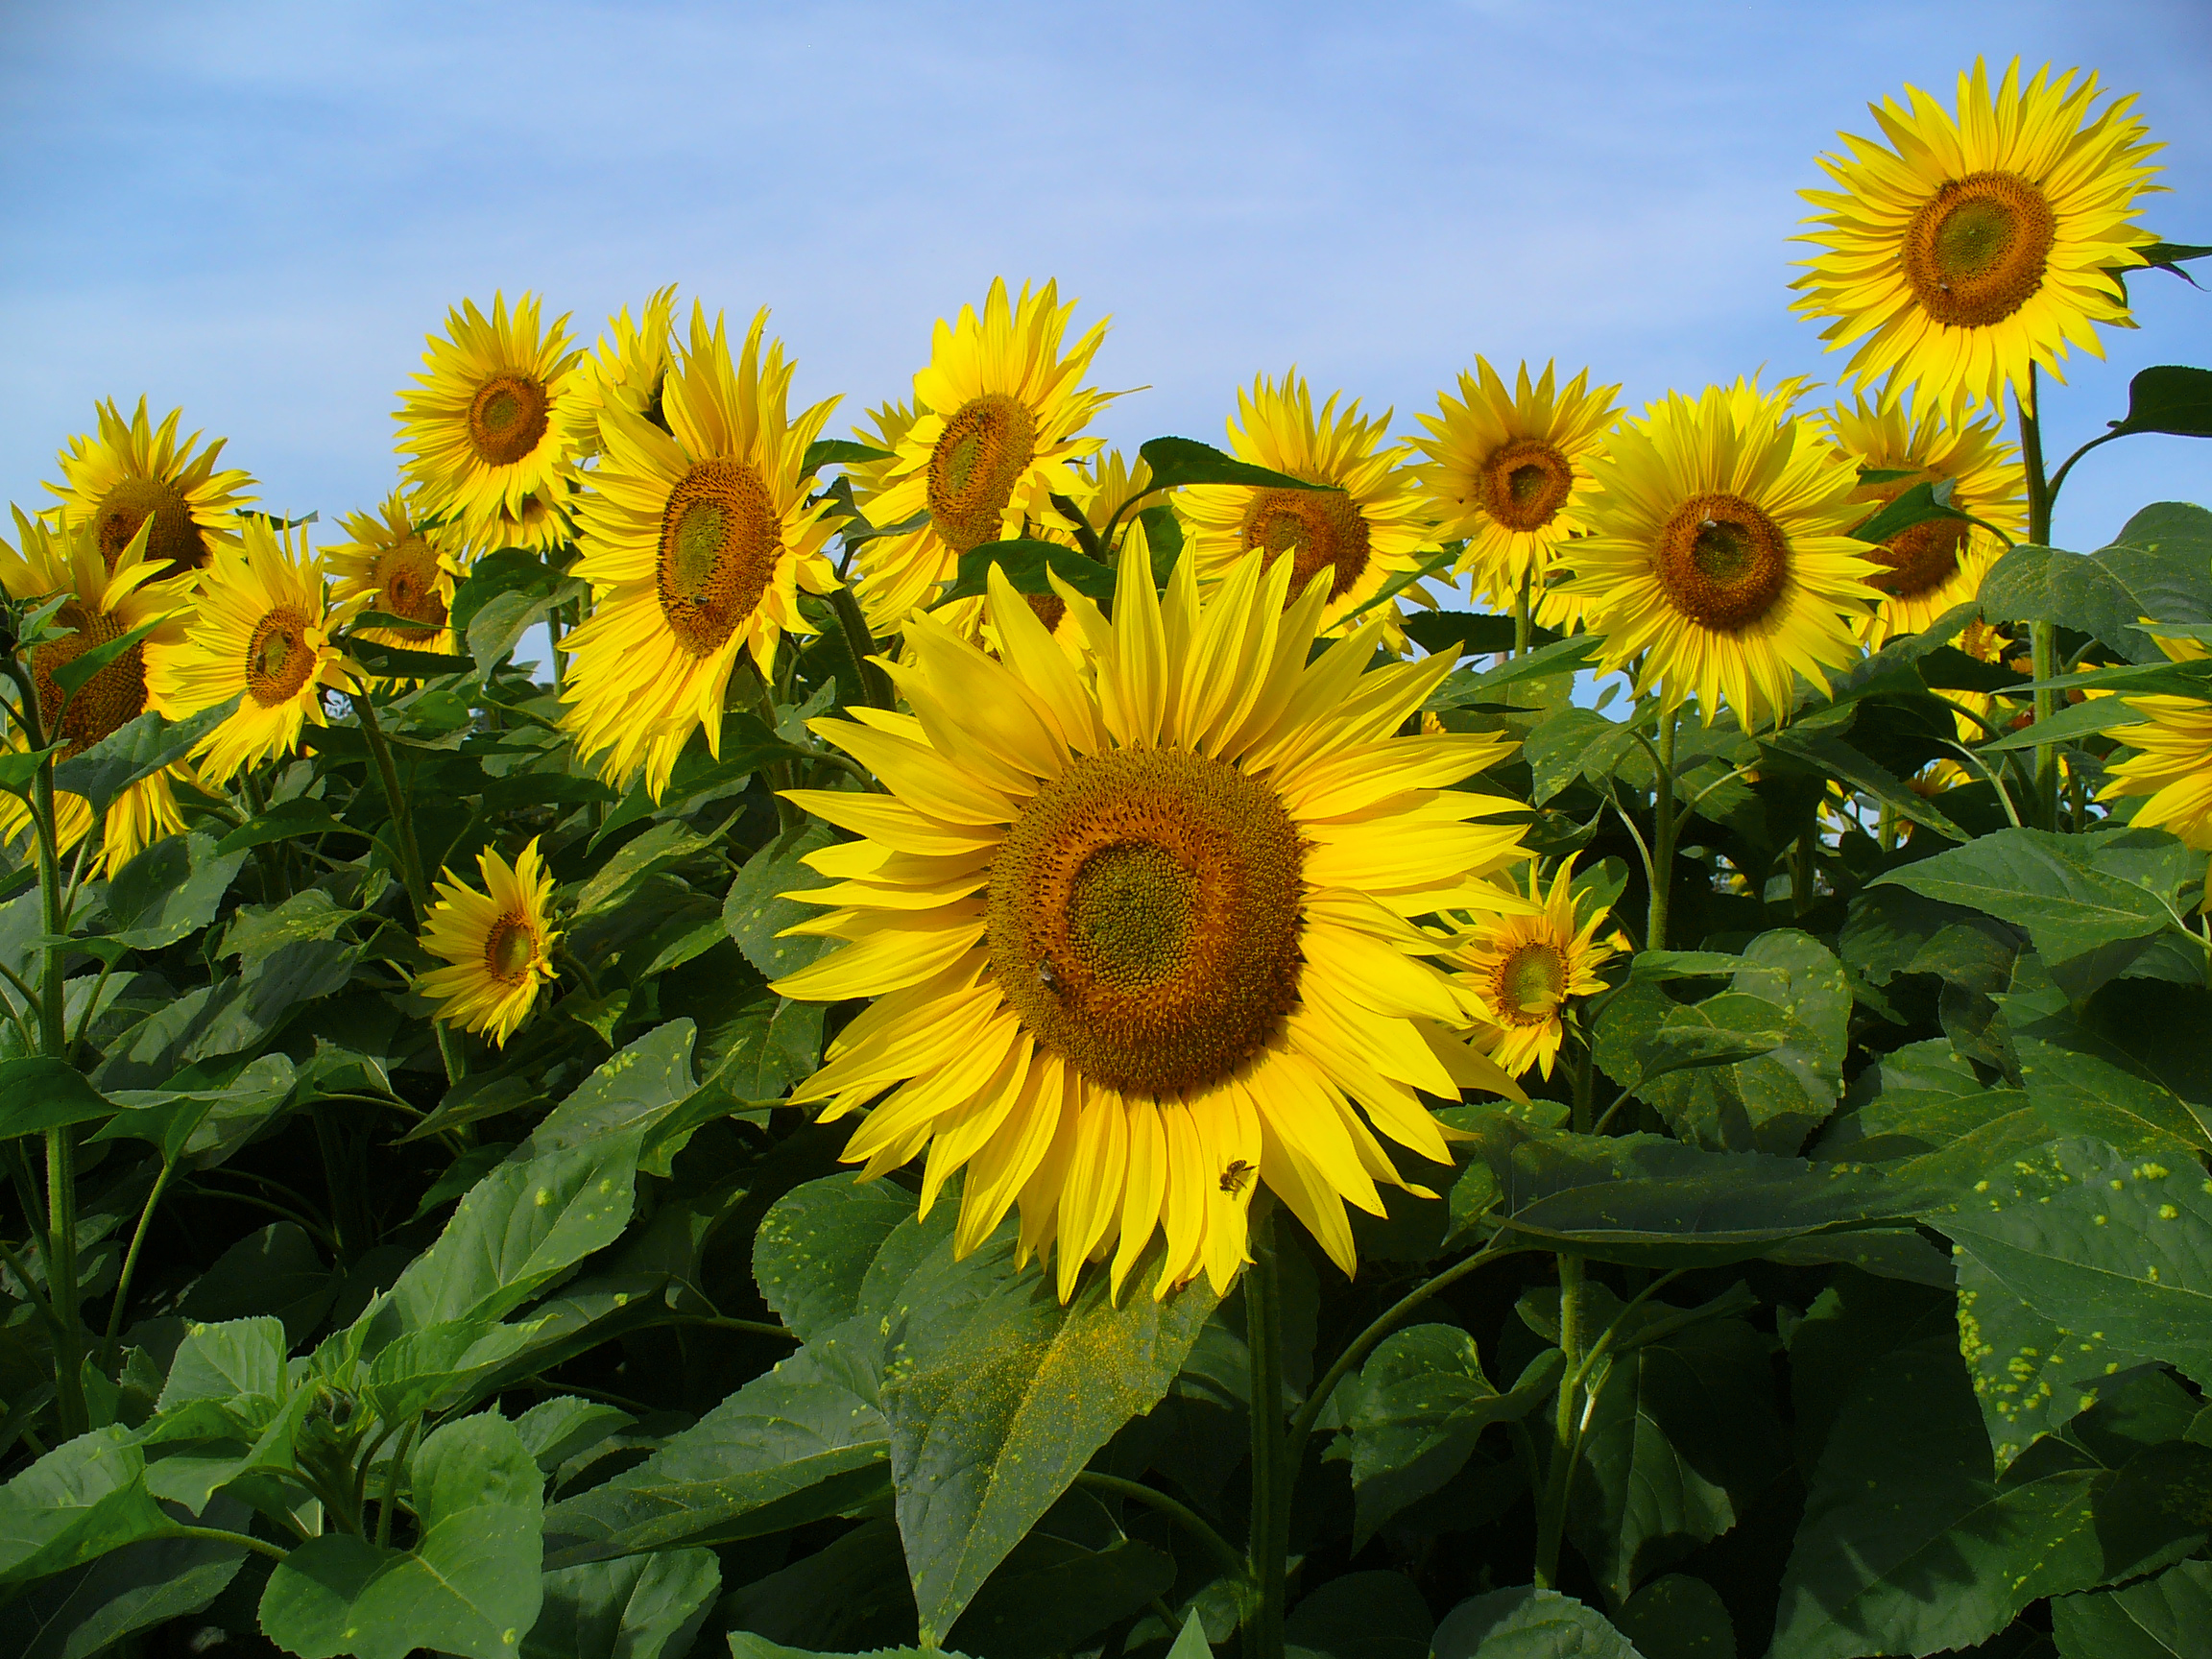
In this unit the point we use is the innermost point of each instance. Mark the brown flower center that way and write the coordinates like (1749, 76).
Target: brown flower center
(1524, 484)
(507, 418)
(1722, 562)
(1050, 609)
(511, 949)
(986, 446)
(175, 542)
(1920, 557)
(407, 586)
(720, 539)
(278, 661)
(1975, 252)
(1320, 529)
(1531, 984)
(117, 693)
(1144, 918)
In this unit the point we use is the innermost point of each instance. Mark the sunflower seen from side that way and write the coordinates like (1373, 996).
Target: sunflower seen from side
(135, 474)
(1717, 566)
(496, 942)
(1139, 932)
(1516, 972)
(1937, 563)
(1366, 528)
(261, 631)
(396, 566)
(697, 541)
(482, 434)
(625, 370)
(1974, 246)
(2171, 764)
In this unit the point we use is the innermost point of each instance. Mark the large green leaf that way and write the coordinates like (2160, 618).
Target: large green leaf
(168, 890)
(754, 911)
(1050, 1596)
(1678, 1617)
(2168, 1616)
(640, 1607)
(628, 1094)
(1527, 1624)
(80, 1501)
(1029, 565)
(998, 1395)
(469, 1586)
(136, 749)
(1176, 462)
(816, 1245)
(81, 1614)
(2169, 398)
(39, 1094)
(1362, 1615)
(2160, 566)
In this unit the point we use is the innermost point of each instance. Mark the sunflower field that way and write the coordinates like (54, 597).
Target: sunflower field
(1570, 1031)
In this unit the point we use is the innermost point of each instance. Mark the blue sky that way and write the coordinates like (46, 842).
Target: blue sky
(258, 210)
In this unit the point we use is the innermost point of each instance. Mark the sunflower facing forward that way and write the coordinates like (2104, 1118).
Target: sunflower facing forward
(1719, 556)
(1971, 247)
(482, 431)
(135, 474)
(260, 632)
(1139, 932)
(1362, 531)
(696, 542)
(497, 943)
(1516, 973)
(396, 566)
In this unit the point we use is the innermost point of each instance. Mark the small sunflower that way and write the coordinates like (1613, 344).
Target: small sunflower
(260, 633)
(1508, 472)
(625, 372)
(1937, 563)
(109, 597)
(2171, 764)
(1365, 531)
(1972, 246)
(1104, 484)
(1516, 972)
(482, 431)
(497, 943)
(696, 542)
(1719, 563)
(1140, 932)
(994, 434)
(396, 566)
(135, 474)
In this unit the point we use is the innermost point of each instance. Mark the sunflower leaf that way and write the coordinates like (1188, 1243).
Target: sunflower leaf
(839, 452)
(134, 751)
(2168, 398)
(1924, 501)
(1025, 561)
(73, 675)
(1176, 462)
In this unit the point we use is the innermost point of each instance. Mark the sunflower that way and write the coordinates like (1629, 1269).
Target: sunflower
(696, 542)
(1517, 972)
(1719, 556)
(1508, 472)
(482, 431)
(1140, 932)
(497, 943)
(1937, 563)
(260, 633)
(993, 437)
(2173, 765)
(1104, 486)
(397, 568)
(1970, 248)
(1364, 532)
(625, 372)
(109, 597)
(135, 474)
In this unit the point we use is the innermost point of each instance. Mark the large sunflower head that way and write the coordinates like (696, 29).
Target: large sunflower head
(483, 432)
(1508, 472)
(1362, 533)
(997, 429)
(1974, 244)
(260, 632)
(135, 474)
(497, 943)
(696, 542)
(1516, 972)
(1141, 931)
(1718, 561)
(109, 597)
(625, 370)
(396, 566)
(1937, 563)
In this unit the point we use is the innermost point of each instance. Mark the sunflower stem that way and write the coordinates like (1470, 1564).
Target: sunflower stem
(1663, 829)
(1266, 1540)
(1521, 617)
(110, 1350)
(861, 645)
(1566, 1428)
(2043, 637)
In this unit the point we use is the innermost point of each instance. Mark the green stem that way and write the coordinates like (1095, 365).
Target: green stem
(411, 870)
(1663, 829)
(1190, 1520)
(1265, 1542)
(873, 685)
(390, 1501)
(217, 1535)
(1566, 1428)
(1521, 617)
(122, 1295)
(2043, 637)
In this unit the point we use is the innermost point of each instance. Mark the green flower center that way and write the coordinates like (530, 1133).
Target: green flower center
(509, 950)
(278, 661)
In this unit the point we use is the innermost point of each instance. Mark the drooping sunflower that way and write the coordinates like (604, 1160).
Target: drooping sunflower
(625, 370)
(1365, 531)
(397, 568)
(1718, 555)
(1970, 247)
(1937, 563)
(997, 429)
(109, 597)
(2171, 764)
(696, 542)
(1508, 472)
(1140, 932)
(260, 632)
(1517, 972)
(483, 432)
(135, 474)
(497, 943)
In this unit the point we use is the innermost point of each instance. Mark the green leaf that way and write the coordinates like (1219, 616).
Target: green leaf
(644, 1607)
(1929, 499)
(134, 750)
(398, 663)
(81, 1614)
(39, 1094)
(74, 675)
(1462, 688)
(1176, 462)
(2170, 256)
(1834, 757)
(1678, 1617)
(168, 890)
(288, 820)
(1527, 1624)
(435, 1370)
(816, 1245)
(1362, 1615)
(80, 1501)
(1191, 1641)
(998, 1395)
(2160, 567)
(1582, 743)
(238, 1360)
(494, 630)
(1051, 1596)
(2166, 398)
(1025, 561)
(2161, 1618)
(839, 452)
(1469, 633)
(503, 570)
(19, 767)
(850, 1596)
(628, 1094)
(195, 1121)
(754, 912)
(618, 881)
(469, 1586)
